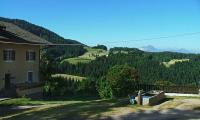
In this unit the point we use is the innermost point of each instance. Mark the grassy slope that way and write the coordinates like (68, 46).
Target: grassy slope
(92, 54)
(69, 76)
(174, 61)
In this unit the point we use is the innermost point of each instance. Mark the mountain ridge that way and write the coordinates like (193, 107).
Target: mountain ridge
(39, 31)
(150, 48)
(54, 52)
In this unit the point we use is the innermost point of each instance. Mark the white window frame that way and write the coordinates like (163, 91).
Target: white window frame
(28, 76)
(10, 60)
(29, 55)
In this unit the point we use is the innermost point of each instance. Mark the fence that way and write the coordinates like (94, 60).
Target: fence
(168, 89)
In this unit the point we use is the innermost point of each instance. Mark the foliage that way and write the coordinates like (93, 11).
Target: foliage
(104, 88)
(162, 82)
(103, 47)
(46, 66)
(118, 81)
(60, 86)
(149, 66)
(88, 86)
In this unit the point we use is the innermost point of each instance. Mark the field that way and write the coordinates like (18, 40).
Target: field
(90, 55)
(174, 61)
(69, 76)
(89, 108)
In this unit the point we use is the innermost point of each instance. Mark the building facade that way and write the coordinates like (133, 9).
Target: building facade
(19, 59)
(18, 64)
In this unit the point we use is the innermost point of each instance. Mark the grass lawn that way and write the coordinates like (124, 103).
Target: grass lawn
(174, 61)
(69, 108)
(90, 55)
(69, 76)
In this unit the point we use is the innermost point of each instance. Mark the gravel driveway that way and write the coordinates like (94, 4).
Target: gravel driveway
(178, 109)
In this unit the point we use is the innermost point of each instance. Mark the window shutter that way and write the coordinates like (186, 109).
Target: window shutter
(4, 55)
(33, 55)
(27, 55)
(12, 55)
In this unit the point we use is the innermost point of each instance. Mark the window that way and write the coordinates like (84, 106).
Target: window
(9, 55)
(30, 76)
(30, 55)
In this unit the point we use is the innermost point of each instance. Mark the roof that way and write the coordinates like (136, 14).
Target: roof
(15, 34)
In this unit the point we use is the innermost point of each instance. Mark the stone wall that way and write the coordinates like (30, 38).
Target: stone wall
(27, 92)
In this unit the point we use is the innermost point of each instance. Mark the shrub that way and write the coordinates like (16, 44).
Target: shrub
(104, 88)
(58, 86)
(88, 86)
(118, 82)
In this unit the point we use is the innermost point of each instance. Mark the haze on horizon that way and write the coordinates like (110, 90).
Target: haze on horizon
(109, 21)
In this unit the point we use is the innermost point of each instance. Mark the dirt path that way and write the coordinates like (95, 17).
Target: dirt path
(177, 109)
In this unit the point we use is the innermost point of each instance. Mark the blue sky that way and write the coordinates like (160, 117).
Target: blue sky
(104, 21)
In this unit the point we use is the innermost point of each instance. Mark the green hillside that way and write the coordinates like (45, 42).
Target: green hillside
(39, 31)
(166, 67)
(91, 54)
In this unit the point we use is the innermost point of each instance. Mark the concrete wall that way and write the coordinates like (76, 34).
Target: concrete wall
(19, 68)
(30, 91)
(157, 98)
(152, 100)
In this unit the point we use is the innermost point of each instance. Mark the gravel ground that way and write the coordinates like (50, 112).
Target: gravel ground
(178, 109)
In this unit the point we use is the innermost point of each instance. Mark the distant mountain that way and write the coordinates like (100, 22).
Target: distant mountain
(151, 48)
(181, 50)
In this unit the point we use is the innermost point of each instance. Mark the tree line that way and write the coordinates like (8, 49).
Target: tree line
(149, 66)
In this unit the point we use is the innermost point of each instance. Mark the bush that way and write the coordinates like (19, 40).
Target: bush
(88, 86)
(58, 86)
(104, 88)
(118, 82)
(103, 47)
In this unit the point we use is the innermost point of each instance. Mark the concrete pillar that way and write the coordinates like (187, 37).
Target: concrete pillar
(199, 91)
(139, 101)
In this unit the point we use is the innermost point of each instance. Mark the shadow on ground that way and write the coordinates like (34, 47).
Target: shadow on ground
(197, 108)
(171, 114)
(79, 97)
(92, 109)
(75, 111)
(164, 100)
(6, 110)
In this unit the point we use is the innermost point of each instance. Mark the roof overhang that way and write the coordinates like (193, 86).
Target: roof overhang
(9, 37)
(25, 43)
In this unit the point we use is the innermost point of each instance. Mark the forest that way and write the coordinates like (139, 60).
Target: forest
(126, 67)
(149, 66)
